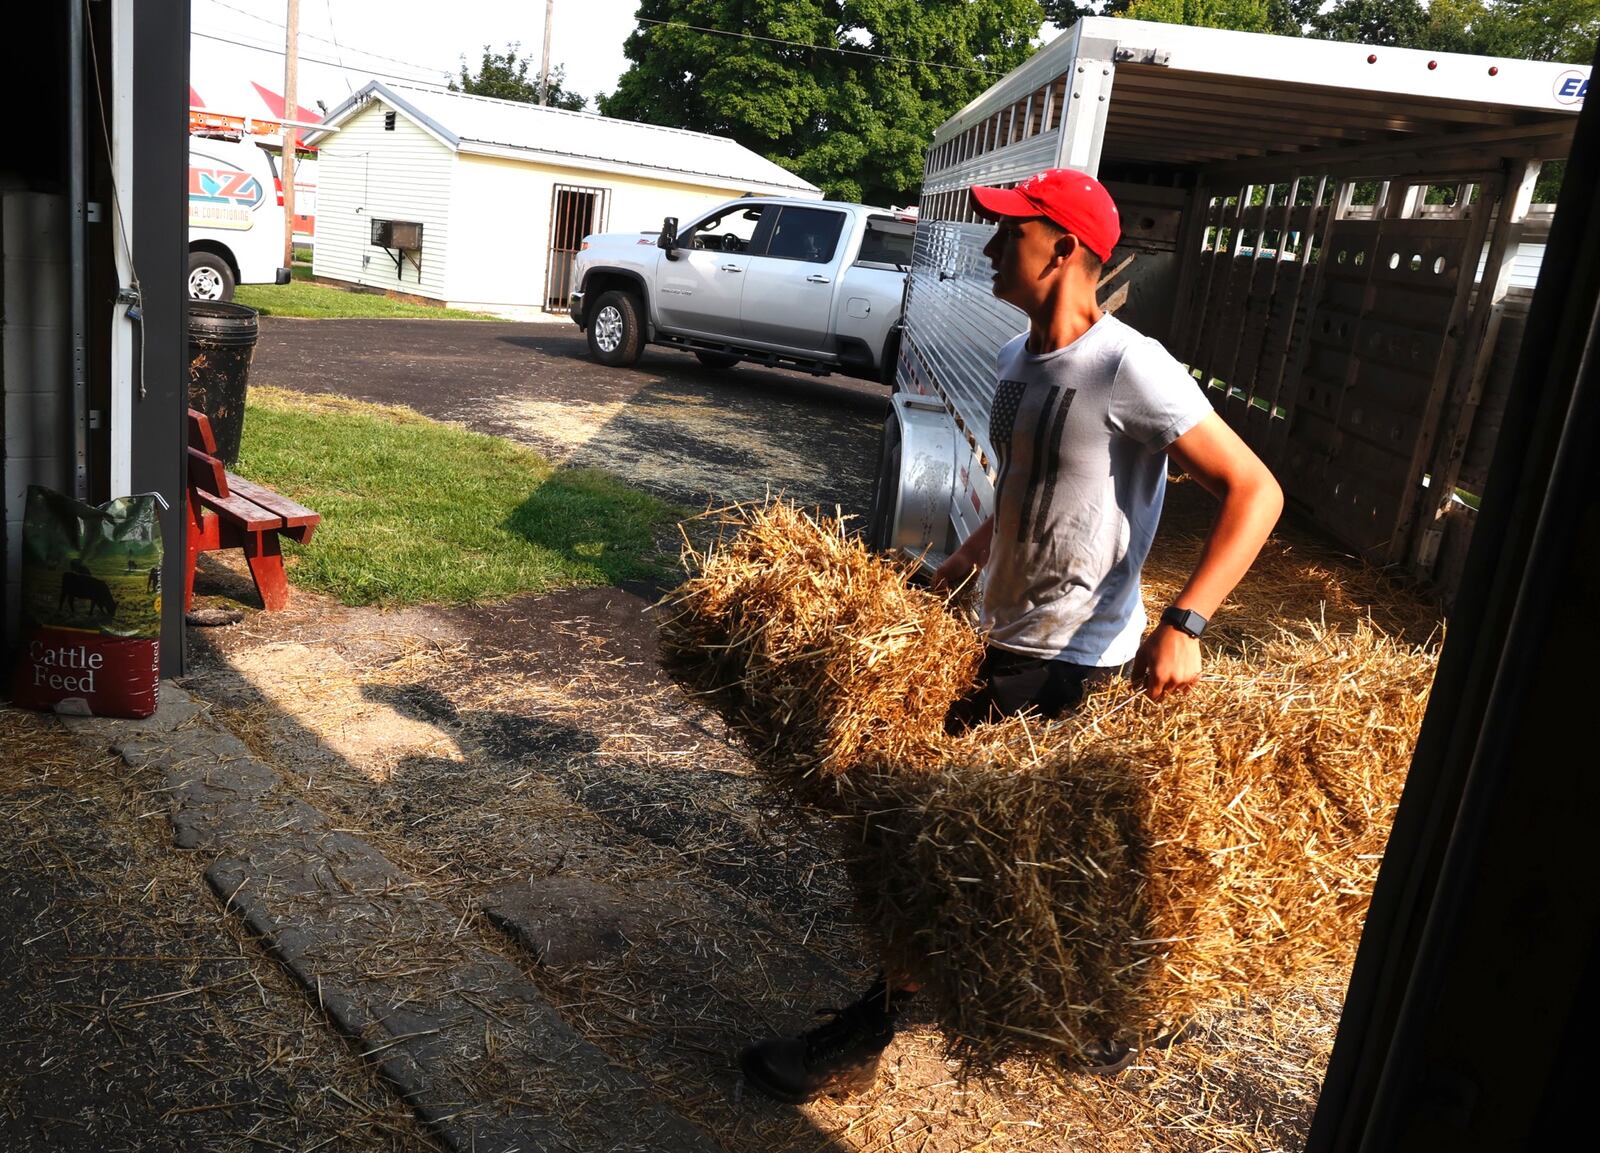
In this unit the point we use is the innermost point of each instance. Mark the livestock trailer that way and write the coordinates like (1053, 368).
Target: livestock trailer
(1338, 240)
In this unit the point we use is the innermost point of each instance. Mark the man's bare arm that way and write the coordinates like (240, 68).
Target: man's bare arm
(1251, 502)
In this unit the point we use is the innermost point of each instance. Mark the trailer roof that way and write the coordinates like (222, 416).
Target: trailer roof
(484, 125)
(1207, 97)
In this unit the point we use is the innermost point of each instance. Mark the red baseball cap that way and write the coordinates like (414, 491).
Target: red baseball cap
(1075, 200)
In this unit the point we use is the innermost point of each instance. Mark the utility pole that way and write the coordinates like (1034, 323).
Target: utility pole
(544, 65)
(291, 135)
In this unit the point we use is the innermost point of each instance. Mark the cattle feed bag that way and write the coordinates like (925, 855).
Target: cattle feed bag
(91, 606)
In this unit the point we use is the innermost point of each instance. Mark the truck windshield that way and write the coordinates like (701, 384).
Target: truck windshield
(887, 241)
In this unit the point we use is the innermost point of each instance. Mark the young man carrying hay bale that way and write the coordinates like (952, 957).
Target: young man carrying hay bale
(1085, 416)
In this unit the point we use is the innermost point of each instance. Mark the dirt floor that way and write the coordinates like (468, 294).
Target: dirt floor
(532, 765)
(137, 1016)
(535, 746)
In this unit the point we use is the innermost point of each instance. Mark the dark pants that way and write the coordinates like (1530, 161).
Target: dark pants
(1009, 683)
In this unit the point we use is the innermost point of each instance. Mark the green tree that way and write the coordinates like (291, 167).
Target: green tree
(1400, 23)
(504, 75)
(1523, 29)
(1542, 29)
(1064, 12)
(844, 95)
(1240, 15)
(1286, 17)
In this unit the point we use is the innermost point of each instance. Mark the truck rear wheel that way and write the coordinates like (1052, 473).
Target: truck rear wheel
(615, 334)
(210, 278)
(886, 494)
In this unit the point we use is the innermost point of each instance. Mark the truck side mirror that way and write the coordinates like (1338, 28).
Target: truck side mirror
(668, 240)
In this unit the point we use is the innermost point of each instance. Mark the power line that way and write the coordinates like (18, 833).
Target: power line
(338, 51)
(321, 40)
(820, 47)
(331, 63)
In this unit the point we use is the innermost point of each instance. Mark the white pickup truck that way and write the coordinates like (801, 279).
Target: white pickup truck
(813, 284)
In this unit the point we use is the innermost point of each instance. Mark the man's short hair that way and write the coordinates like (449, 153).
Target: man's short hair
(1091, 259)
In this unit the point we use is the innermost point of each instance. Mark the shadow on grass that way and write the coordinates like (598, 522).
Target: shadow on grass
(563, 516)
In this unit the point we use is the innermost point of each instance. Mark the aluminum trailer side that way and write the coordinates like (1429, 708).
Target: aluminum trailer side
(1327, 234)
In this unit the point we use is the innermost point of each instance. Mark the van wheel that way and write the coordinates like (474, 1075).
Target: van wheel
(615, 335)
(886, 494)
(716, 359)
(210, 278)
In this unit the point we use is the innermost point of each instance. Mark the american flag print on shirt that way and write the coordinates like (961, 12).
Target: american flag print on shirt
(1048, 420)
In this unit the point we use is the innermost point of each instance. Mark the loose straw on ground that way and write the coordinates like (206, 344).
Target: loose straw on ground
(1104, 877)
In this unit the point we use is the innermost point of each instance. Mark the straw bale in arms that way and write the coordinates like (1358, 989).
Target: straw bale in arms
(1101, 877)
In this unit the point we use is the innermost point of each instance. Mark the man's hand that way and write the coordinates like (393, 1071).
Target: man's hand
(1167, 662)
(967, 559)
(952, 572)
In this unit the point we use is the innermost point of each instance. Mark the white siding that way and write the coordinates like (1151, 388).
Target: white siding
(500, 222)
(365, 171)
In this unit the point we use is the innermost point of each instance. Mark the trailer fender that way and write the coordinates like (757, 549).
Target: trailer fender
(916, 479)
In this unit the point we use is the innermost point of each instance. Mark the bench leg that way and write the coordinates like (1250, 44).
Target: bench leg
(202, 534)
(265, 556)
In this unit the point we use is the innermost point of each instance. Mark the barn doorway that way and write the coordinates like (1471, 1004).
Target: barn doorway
(574, 213)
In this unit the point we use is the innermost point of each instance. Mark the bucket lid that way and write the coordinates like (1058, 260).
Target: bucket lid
(215, 310)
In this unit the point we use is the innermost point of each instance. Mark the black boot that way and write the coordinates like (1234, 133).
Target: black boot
(839, 1056)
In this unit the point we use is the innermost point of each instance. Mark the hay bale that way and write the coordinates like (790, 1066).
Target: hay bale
(819, 652)
(1101, 877)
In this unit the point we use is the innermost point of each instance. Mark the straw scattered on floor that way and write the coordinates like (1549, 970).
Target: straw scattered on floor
(1108, 876)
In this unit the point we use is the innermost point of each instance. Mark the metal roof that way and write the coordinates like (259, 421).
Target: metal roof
(486, 126)
(1210, 98)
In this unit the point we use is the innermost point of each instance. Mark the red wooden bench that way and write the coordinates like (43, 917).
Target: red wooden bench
(228, 511)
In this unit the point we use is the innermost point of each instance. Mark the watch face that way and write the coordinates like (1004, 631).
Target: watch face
(1185, 620)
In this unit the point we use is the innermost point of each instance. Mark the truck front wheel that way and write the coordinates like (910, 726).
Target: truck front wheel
(210, 278)
(615, 334)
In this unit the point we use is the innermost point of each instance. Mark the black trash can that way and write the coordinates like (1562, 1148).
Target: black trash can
(222, 342)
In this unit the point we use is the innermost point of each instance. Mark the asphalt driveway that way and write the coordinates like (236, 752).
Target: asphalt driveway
(670, 425)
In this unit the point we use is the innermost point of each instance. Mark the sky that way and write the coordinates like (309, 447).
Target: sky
(343, 43)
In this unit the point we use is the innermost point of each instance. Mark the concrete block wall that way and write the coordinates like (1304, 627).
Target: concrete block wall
(35, 365)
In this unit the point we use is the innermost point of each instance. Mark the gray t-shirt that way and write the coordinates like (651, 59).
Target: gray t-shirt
(1080, 435)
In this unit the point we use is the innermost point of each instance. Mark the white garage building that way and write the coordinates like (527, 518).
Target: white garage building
(481, 203)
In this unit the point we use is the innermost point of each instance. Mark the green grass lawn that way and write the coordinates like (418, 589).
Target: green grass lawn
(415, 511)
(302, 298)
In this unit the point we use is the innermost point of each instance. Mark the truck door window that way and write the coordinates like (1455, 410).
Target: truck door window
(887, 241)
(729, 231)
(809, 234)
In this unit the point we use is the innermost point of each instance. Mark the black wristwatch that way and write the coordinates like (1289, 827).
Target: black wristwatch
(1184, 620)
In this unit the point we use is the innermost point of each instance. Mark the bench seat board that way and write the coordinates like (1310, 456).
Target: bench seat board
(242, 513)
(294, 515)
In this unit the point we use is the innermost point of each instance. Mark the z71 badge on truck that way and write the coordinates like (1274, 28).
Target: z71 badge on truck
(815, 285)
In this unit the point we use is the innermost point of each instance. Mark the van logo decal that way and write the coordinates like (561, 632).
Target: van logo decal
(222, 186)
(223, 198)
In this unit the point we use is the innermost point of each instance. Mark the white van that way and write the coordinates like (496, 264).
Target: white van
(235, 217)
